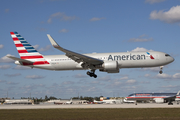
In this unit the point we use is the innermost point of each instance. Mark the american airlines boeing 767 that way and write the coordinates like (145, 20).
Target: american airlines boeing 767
(105, 62)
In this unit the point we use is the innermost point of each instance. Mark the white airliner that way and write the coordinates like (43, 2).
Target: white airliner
(69, 102)
(108, 101)
(105, 62)
(157, 97)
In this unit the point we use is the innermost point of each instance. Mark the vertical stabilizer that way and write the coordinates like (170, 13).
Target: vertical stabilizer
(27, 51)
(178, 93)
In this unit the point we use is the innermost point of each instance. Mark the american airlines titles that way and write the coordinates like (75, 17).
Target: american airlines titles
(126, 57)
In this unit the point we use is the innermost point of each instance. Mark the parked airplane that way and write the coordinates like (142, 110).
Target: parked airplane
(69, 102)
(99, 102)
(157, 97)
(128, 101)
(107, 101)
(105, 62)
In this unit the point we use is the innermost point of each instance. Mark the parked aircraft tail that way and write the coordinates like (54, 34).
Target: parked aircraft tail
(178, 93)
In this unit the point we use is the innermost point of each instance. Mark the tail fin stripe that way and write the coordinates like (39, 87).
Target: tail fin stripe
(24, 41)
(29, 47)
(36, 63)
(26, 45)
(17, 42)
(31, 57)
(40, 62)
(20, 48)
(19, 45)
(22, 51)
(30, 54)
(29, 51)
(13, 36)
(15, 39)
(21, 39)
(12, 33)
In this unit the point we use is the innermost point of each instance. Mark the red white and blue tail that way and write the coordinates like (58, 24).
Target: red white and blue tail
(27, 51)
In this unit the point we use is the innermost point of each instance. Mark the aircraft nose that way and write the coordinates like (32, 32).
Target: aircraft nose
(172, 59)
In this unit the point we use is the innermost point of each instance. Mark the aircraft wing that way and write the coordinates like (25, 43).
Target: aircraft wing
(75, 56)
(19, 59)
(172, 97)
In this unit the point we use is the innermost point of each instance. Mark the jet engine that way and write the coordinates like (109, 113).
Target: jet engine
(18, 62)
(110, 67)
(159, 100)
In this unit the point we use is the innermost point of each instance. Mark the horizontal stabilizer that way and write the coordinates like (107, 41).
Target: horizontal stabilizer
(19, 59)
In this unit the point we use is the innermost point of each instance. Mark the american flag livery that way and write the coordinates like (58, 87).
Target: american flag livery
(27, 51)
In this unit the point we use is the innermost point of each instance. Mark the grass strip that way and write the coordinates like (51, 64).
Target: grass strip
(92, 114)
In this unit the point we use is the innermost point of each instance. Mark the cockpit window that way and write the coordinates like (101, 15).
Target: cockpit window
(167, 55)
(131, 95)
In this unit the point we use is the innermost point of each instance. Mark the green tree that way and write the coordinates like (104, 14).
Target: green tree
(46, 98)
(52, 98)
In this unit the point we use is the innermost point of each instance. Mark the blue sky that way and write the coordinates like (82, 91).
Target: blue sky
(87, 26)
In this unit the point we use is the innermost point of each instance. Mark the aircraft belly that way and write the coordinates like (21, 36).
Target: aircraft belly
(45, 67)
(139, 63)
(65, 66)
(131, 64)
(140, 98)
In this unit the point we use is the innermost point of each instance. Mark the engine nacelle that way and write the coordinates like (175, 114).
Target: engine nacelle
(159, 100)
(110, 67)
(17, 62)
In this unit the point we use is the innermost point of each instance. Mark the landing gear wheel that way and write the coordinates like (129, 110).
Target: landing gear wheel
(161, 68)
(95, 76)
(88, 73)
(91, 74)
(160, 72)
(170, 103)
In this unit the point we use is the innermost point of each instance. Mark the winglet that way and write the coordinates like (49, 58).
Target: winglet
(53, 42)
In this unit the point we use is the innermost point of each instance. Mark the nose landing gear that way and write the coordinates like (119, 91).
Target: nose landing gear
(160, 72)
(92, 73)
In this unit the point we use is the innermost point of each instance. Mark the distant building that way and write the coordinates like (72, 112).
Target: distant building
(68, 101)
(19, 101)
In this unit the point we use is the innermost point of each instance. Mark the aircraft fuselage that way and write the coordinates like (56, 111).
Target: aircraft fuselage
(124, 59)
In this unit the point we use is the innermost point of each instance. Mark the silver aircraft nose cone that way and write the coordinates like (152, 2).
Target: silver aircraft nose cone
(172, 59)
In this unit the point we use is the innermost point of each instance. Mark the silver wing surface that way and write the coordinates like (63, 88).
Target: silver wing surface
(76, 56)
(170, 98)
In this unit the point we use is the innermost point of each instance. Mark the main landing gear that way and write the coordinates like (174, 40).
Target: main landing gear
(170, 103)
(92, 73)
